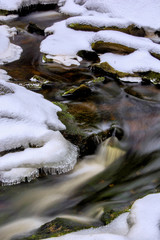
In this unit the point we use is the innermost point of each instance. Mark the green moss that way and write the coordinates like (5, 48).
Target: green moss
(4, 12)
(81, 91)
(57, 227)
(108, 68)
(131, 29)
(103, 47)
(46, 60)
(153, 77)
(68, 120)
(98, 80)
(110, 215)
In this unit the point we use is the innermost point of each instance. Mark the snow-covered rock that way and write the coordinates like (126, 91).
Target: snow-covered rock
(30, 137)
(142, 223)
(8, 52)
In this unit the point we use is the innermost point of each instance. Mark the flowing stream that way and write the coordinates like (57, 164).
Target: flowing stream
(117, 174)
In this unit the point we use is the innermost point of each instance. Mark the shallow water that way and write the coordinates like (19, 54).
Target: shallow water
(95, 183)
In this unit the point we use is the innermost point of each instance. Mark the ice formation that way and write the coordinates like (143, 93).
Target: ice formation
(9, 52)
(29, 137)
(141, 223)
(14, 5)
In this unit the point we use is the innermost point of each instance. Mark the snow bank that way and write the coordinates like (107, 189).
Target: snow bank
(8, 52)
(14, 5)
(142, 223)
(29, 136)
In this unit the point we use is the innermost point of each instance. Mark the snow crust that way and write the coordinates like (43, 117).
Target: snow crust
(8, 52)
(29, 136)
(14, 5)
(142, 223)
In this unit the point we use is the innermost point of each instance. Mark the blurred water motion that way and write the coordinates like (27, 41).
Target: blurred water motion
(124, 168)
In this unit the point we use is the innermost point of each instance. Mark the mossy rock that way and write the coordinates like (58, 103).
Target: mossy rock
(156, 55)
(131, 29)
(5, 12)
(153, 77)
(78, 92)
(109, 215)
(75, 132)
(46, 60)
(56, 228)
(116, 74)
(103, 47)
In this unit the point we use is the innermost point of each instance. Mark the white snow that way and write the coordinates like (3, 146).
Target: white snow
(9, 52)
(142, 223)
(138, 61)
(97, 21)
(4, 75)
(142, 13)
(29, 136)
(65, 42)
(12, 5)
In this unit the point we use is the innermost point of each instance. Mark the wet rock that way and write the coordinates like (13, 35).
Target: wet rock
(77, 122)
(82, 91)
(131, 29)
(58, 227)
(88, 55)
(103, 47)
(33, 28)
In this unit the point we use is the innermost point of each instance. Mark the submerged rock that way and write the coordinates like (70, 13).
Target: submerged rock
(33, 28)
(80, 92)
(58, 227)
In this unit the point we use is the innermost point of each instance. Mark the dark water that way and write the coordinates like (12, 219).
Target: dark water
(95, 184)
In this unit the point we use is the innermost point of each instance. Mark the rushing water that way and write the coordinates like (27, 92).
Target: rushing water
(119, 172)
